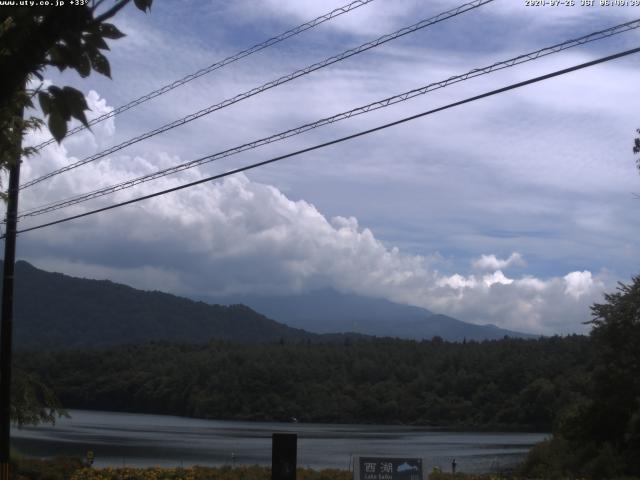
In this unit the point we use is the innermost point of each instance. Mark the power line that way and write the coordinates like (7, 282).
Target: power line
(215, 66)
(340, 140)
(274, 83)
(527, 57)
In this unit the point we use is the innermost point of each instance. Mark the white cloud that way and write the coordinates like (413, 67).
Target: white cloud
(241, 236)
(496, 278)
(491, 262)
(458, 282)
(531, 283)
(539, 172)
(578, 284)
(371, 19)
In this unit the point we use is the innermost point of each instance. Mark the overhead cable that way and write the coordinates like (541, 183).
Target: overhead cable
(527, 57)
(338, 140)
(274, 83)
(215, 66)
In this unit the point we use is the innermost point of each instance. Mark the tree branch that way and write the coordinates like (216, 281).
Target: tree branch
(111, 12)
(96, 5)
(35, 91)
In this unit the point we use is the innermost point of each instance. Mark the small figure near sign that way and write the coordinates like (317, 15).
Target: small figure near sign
(453, 466)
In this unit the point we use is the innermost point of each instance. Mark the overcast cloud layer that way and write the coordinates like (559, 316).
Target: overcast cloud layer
(516, 211)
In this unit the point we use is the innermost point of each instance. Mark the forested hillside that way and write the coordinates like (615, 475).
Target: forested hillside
(54, 311)
(494, 384)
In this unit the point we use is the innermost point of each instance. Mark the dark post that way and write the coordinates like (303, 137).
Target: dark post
(284, 456)
(6, 327)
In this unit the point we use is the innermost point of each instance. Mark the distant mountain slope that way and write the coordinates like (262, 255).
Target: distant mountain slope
(327, 310)
(53, 311)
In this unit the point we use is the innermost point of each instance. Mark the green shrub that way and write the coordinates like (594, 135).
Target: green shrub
(59, 468)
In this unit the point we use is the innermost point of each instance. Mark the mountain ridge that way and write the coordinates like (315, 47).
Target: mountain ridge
(57, 311)
(100, 313)
(327, 310)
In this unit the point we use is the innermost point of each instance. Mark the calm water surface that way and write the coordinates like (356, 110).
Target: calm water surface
(147, 440)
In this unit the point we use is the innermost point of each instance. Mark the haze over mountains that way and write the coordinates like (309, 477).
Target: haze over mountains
(54, 311)
(326, 310)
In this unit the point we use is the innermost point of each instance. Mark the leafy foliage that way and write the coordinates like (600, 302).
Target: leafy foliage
(13, 127)
(612, 416)
(599, 435)
(33, 402)
(60, 104)
(70, 468)
(636, 148)
(33, 38)
(203, 473)
(494, 384)
(58, 468)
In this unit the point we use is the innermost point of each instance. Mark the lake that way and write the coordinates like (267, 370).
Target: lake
(146, 440)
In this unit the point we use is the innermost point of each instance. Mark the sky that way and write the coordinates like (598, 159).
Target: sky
(517, 210)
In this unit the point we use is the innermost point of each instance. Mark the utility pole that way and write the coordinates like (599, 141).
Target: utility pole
(6, 326)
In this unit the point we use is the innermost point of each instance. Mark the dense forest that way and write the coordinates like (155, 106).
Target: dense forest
(586, 390)
(598, 434)
(510, 383)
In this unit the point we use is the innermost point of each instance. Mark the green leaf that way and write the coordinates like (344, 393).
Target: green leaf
(75, 99)
(83, 65)
(100, 64)
(96, 41)
(76, 104)
(108, 30)
(82, 117)
(55, 91)
(57, 57)
(143, 5)
(58, 105)
(57, 126)
(45, 102)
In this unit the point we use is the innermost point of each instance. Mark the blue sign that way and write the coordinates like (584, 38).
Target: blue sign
(388, 468)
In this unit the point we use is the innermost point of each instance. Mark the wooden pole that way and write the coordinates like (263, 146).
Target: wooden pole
(6, 321)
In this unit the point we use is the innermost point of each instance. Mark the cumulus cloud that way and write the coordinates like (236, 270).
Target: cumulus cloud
(551, 305)
(578, 284)
(518, 176)
(242, 236)
(491, 262)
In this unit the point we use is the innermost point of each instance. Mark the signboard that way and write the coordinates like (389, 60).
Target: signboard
(388, 468)
(284, 456)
